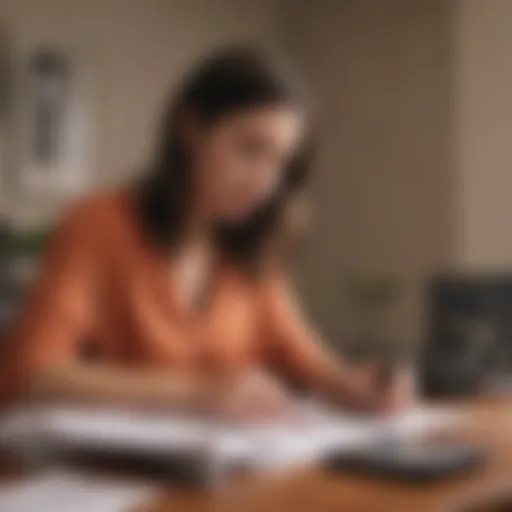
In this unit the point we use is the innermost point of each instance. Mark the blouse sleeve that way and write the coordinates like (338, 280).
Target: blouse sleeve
(58, 312)
(293, 348)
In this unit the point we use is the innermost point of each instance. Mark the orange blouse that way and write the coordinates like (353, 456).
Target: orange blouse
(104, 291)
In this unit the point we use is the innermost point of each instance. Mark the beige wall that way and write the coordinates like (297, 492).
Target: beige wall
(135, 50)
(384, 186)
(416, 160)
(484, 132)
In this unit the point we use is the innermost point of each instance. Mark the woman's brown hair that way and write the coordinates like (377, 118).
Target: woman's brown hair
(229, 81)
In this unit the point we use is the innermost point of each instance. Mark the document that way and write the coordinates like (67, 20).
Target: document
(307, 437)
(61, 491)
(318, 432)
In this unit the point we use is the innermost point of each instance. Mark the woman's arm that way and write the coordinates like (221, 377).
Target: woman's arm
(297, 352)
(43, 355)
(94, 384)
(44, 363)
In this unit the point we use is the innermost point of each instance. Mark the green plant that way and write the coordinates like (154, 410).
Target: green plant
(29, 244)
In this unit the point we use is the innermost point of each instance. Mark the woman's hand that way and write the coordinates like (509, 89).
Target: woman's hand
(252, 396)
(400, 389)
(377, 388)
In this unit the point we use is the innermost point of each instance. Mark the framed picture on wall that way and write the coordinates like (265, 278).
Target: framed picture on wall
(53, 123)
(5, 101)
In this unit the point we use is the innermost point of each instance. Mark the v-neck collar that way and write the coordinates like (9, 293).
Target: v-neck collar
(162, 277)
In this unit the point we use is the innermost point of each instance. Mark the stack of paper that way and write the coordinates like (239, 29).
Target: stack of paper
(304, 438)
(63, 491)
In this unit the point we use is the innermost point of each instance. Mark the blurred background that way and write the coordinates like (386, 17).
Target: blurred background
(415, 114)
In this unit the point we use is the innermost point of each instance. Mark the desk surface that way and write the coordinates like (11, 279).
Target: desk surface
(314, 490)
(319, 491)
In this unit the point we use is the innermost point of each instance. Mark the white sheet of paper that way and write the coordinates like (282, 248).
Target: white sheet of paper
(320, 432)
(60, 491)
(284, 443)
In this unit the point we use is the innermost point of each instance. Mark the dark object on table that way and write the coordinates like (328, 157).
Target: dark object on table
(469, 347)
(415, 463)
(192, 469)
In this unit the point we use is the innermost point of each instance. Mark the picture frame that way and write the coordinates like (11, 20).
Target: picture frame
(5, 108)
(53, 124)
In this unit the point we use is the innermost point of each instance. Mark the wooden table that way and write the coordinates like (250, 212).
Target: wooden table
(490, 425)
(314, 490)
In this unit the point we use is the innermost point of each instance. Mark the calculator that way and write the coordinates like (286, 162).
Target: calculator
(421, 461)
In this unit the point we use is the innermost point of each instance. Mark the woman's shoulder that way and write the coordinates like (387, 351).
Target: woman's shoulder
(92, 220)
(95, 206)
(95, 212)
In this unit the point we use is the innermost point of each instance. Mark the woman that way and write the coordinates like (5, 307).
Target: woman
(162, 294)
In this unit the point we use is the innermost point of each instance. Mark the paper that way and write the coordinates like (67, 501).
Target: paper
(59, 491)
(297, 440)
(319, 432)
(113, 429)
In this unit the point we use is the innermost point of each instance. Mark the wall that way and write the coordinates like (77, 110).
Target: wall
(136, 49)
(414, 171)
(384, 185)
(484, 126)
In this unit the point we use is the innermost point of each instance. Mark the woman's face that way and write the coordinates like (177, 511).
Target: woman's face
(240, 161)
